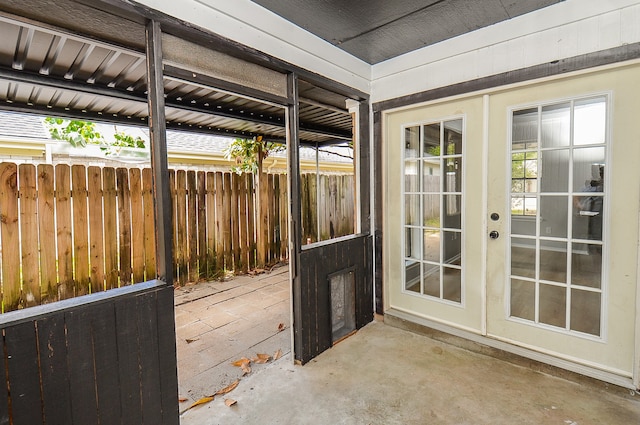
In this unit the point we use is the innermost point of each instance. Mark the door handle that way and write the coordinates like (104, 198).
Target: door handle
(494, 234)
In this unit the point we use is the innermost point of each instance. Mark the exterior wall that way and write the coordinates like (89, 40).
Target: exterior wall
(250, 24)
(567, 29)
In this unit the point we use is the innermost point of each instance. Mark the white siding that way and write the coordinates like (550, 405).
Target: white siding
(567, 29)
(252, 25)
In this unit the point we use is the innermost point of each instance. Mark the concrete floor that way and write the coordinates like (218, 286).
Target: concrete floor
(385, 375)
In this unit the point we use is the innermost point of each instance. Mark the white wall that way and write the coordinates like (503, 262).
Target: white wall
(567, 29)
(252, 25)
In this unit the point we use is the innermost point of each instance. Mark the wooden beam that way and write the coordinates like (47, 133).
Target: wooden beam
(159, 163)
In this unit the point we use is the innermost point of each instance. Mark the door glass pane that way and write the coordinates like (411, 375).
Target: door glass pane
(553, 305)
(590, 118)
(553, 216)
(452, 211)
(431, 176)
(588, 169)
(431, 280)
(452, 284)
(453, 181)
(412, 276)
(585, 311)
(431, 142)
(553, 261)
(453, 137)
(431, 250)
(521, 225)
(554, 176)
(412, 243)
(523, 299)
(523, 257)
(411, 208)
(431, 210)
(411, 173)
(452, 247)
(586, 265)
(587, 217)
(524, 129)
(556, 125)
(412, 142)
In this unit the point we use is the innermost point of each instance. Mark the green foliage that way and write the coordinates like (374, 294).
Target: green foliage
(78, 133)
(249, 153)
(82, 133)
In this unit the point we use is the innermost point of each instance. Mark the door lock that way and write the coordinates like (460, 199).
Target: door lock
(494, 234)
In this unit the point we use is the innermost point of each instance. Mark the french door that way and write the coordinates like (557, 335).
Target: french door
(536, 247)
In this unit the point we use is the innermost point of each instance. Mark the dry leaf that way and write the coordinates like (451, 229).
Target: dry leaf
(228, 388)
(261, 358)
(242, 361)
(203, 400)
(280, 327)
(277, 354)
(229, 402)
(189, 341)
(246, 369)
(182, 399)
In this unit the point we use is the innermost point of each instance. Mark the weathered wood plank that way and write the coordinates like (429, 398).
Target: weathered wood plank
(66, 287)
(167, 356)
(22, 369)
(273, 204)
(4, 394)
(31, 292)
(243, 264)
(46, 223)
(9, 235)
(226, 222)
(128, 370)
(137, 223)
(96, 231)
(105, 352)
(80, 357)
(192, 226)
(235, 220)
(56, 396)
(149, 360)
(174, 219)
(284, 217)
(149, 225)
(263, 220)
(220, 224)
(202, 225)
(80, 229)
(211, 225)
(111, 248)
(182, 247)
(124, 224)
(251, 220)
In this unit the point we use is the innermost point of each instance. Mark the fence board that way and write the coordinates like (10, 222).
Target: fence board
(124, 224)
(235, 220)
(226, 222)
(262, 221)
(251, 220)
(212, 266)
(80, 229)
(31, 293)
(192, 227)
(96, 231)
(137, 223)
(219, 199)
(64, 236)
(243, 220)
(274, 220)
(149, 225)
(111, 232)
(46, 223)
(202, 225)
(181, 226)
(174, 211)
(284, 214)
(9, 236)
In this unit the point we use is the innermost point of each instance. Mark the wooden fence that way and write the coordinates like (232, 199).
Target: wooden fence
(67, 230)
